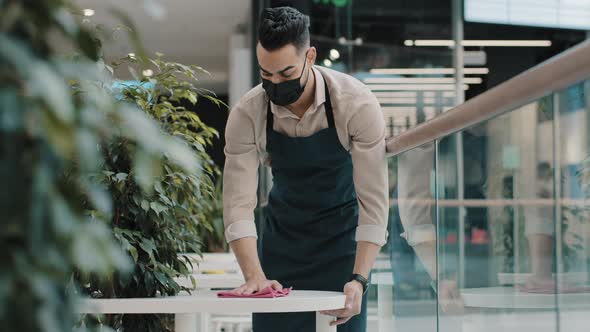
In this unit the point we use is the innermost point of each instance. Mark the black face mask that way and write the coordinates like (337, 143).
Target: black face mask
(287, 92)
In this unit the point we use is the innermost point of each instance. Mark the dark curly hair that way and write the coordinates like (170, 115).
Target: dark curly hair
(281, 26)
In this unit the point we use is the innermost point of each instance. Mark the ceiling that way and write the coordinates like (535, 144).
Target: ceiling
(189, 31)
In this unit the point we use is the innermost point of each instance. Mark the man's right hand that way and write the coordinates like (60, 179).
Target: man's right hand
(256, 284)
(450, 297)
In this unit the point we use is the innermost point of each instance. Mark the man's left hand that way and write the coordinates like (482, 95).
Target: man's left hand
(354, 297)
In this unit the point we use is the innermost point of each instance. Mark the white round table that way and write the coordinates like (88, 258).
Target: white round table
(522, 311)
(511, 298)
(185, 306)
(208, 281)
(384, 282)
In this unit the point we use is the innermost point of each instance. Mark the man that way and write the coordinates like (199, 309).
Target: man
(323, 135)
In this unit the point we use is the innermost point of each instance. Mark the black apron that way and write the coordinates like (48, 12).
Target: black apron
(308, 239)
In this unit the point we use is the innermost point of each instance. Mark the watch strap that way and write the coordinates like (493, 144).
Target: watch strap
(362, 280)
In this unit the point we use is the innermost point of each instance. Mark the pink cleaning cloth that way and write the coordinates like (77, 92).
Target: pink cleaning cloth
(268, 292)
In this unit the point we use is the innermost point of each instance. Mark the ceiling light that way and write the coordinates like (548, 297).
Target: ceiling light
(334, 54)
(428, 71)
(327, 63)
(508, 43)
(409, 42)
(482, 43)
(420, 80)
(148, 73)
(350, 42)
(415, 87)
(88, 12)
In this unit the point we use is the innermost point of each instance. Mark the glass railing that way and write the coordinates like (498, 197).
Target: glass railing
(498, 215)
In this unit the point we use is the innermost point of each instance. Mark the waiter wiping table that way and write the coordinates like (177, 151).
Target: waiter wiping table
(323, 135)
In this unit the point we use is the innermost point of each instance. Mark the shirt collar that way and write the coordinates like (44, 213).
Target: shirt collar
(319, 99)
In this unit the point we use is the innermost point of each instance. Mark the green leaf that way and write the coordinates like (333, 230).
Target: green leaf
(110, 69)
(65, 220)
(133, 252)
(158, 207)
(121, 177)
(161, 277)
(67, 21)
(147, 168)
(49, 85)
(88, 248)
(59, 134)
(158, 187)
(88, 150)
(100, 199)
(183, 156)
(148, 246)
(192, 97)
(11, 117)
(166, 200)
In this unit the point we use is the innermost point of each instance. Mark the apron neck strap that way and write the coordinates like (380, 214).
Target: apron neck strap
(328, 106)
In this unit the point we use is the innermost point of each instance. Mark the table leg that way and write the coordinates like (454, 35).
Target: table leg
(185, 323)
(322, 323)
(203, 322)
(385, 308)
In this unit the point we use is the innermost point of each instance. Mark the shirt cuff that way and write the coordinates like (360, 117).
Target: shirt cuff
(419, 234)
(240, 229)
(371, 233)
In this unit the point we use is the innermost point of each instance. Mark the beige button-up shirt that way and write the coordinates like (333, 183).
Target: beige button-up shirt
(361, 130)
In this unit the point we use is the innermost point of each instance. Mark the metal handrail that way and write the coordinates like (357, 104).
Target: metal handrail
(559, 72)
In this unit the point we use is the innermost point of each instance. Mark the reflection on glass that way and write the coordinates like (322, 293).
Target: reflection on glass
(572, 264)
(523, 217)
(412, 245)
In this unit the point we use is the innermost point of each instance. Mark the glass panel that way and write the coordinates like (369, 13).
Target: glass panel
(406, 299)
(573, 231)
(496, 224)
(489, 195)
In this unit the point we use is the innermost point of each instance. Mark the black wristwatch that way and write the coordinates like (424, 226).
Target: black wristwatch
(362, 280)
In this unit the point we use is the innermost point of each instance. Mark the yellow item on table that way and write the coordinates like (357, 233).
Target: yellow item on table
(213, 272)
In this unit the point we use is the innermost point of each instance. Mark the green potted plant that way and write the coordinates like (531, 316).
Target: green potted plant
(160, 208)
(213, 231)
(54, 116)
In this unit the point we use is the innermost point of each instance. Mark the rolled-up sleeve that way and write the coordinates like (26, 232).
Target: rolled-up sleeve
(240, 176)
(415, 168)
(367, 130)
